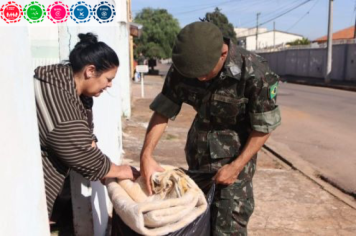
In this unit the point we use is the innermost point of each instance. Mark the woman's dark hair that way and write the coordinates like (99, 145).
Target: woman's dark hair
(88, 51)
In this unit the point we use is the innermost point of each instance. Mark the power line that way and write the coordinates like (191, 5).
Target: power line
(312, 7)
(241, 8)
(305, 2)
(280, 15)
(200, 7)
(280, 9)
(207, 7)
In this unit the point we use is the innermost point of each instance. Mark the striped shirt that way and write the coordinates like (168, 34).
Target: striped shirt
(65, 133)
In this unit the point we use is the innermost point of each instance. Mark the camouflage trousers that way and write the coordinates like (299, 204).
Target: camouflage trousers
(231, 209)
(232, 205)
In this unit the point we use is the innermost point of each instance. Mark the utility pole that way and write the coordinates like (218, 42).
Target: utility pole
(274, 34)
(258, 14)
(355, 26)
(330, 43)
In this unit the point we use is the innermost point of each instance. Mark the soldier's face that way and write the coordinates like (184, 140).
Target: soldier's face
(212, 74)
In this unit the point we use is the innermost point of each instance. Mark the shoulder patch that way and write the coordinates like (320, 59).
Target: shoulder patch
(273, 89)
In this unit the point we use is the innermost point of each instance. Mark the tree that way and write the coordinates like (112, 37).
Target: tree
(220, 20)
(303, 41)
(158, 33)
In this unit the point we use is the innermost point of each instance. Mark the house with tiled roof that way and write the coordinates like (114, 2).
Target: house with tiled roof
(344, 34)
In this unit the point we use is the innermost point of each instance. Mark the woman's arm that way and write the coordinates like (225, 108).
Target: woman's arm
(71, 143)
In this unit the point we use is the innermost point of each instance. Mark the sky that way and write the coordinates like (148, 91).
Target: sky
(308, 18)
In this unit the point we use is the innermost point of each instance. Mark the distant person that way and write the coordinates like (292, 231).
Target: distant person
(64, 98)
(141, 59)
(234, 93)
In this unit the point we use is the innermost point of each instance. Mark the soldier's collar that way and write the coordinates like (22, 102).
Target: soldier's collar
(231, 68)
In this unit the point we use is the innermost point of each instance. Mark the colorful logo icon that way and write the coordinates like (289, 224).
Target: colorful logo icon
(34, 12)
(81, 12)
(104, 12)
(58, 12)
(11, 12)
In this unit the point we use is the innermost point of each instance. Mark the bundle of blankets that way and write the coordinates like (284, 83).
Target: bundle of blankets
(177, 201)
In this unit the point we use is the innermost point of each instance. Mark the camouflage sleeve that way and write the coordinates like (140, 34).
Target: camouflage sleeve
(168, 103)
(261, 90)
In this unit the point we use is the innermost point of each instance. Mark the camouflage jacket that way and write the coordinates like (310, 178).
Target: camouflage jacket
(240, 99)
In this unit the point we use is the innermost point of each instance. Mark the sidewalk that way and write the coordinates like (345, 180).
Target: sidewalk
(286, 202)
(336, 84)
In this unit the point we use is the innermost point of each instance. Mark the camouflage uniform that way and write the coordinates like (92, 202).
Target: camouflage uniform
(240, 99)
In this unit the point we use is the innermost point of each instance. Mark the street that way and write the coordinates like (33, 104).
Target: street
(318, 123)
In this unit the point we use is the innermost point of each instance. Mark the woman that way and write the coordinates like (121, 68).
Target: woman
(64, 99)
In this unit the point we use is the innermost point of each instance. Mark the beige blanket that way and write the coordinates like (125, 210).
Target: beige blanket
(177, 202)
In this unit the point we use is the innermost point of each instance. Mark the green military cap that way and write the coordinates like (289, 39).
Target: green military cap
(197, 49)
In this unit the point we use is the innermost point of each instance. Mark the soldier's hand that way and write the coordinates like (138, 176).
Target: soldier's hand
(147, 167)
(227, 175)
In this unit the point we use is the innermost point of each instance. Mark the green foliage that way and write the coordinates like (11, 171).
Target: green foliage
(158, 33)
(222, 22)
(303, 41)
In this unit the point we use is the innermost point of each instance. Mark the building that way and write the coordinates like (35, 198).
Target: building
(266, 39)
(344, 34)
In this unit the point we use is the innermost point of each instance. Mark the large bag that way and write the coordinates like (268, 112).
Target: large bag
(199, 227)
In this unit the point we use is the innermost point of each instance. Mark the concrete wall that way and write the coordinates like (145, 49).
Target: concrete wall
(22, 199)
(351, 62)
(312, 62)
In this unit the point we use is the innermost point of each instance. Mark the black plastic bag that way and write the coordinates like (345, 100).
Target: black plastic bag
(199, 227)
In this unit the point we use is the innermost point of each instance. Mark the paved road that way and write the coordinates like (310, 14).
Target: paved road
(319, 124)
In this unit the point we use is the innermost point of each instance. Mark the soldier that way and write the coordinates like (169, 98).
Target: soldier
(234, 94)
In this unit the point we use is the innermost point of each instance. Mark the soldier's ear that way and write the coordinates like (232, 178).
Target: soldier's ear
(224, 51)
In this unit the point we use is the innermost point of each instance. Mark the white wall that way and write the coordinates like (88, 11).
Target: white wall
(240, 32)
(266, 39)
(123, 38)
(108, 109)
(23, 208)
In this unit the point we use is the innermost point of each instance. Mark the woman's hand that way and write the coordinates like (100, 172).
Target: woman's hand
(121, 172)
(127, 172)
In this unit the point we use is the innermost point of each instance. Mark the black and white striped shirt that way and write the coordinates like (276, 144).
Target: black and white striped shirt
(65, 134)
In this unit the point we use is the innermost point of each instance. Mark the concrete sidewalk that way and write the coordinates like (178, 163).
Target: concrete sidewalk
(335, 84)
(287, 202)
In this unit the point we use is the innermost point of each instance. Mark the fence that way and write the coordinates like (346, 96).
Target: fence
(311, 62)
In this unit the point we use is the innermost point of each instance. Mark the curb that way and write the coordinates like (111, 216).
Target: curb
(311, 172)
(333, 86)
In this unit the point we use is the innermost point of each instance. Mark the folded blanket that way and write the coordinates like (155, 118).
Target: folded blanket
(177, 202)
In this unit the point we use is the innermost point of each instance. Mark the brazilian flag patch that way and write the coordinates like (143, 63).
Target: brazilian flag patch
(273, 89)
